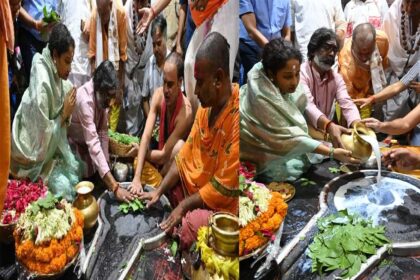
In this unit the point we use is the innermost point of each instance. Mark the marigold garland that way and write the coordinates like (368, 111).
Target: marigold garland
(259, 231)
(50, 257)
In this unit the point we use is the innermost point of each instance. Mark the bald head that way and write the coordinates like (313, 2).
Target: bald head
(363, 42)
(176, 59)
(364, 33)
(215, 49)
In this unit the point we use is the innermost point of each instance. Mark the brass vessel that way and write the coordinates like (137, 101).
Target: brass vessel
(225, 233)
(360, 148)
(87, 204)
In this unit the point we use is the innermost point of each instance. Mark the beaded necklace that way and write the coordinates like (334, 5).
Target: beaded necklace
(409, 40)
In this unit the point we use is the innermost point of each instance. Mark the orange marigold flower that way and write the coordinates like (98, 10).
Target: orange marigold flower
(254, 225)
(245, 233)
(254, 242)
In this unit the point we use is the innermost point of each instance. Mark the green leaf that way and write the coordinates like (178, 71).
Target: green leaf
(344, 242)
(134, 206)
(334, 170)
(123, 138)
(174, 248)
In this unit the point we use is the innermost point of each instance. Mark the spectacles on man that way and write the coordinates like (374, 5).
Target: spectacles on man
(329, 47)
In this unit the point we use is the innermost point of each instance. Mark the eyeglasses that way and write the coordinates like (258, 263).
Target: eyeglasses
(329, 47)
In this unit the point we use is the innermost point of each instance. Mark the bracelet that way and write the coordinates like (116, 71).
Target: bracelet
(328, 125)
(331, 152)
(153, 12)
(116, 189)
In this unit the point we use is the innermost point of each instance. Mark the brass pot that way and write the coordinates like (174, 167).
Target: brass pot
(360, 148)
(87, 204)
(225, 233)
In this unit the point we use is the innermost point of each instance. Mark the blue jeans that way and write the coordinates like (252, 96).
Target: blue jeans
(249, 57)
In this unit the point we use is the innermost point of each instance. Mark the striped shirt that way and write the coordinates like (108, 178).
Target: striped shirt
(411, 75)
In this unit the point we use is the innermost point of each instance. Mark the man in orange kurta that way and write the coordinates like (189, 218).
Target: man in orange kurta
(6, 43)
(208, 163)
(356, 58)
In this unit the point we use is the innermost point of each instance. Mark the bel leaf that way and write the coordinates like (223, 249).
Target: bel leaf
(174, 248)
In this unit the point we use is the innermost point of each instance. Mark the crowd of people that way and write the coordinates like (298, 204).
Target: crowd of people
(276, 83)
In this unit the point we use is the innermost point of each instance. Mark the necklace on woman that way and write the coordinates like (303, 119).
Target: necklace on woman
(407, 38)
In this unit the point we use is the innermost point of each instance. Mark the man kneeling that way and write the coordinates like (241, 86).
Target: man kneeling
(207, 165)
(175, 121)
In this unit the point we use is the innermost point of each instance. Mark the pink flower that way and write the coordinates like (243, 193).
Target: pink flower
(7, 218)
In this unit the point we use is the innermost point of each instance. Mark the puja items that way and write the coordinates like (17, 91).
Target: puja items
(19, 194)
(215, 266)
(120, 144)
(262, 212)
(48, 236)
(225, 233)
(87, 204)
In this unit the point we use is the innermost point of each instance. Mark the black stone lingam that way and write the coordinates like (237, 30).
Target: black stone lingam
(116, 240)
(401, 209)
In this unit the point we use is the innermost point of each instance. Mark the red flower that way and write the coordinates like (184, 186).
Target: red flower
(19, 194)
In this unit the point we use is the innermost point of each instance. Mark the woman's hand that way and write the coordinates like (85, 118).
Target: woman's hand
(345, 156)
(69, 104)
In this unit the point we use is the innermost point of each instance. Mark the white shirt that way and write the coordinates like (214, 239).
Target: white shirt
(357, 12)
(71, 13)
(309, 15)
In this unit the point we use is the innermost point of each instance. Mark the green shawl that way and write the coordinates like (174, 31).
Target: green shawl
(39, 143)
(273, 131)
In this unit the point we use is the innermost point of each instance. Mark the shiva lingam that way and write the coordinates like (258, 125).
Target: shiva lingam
(394, 206)
(225, 233)
(356, 143)
(87, 204)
